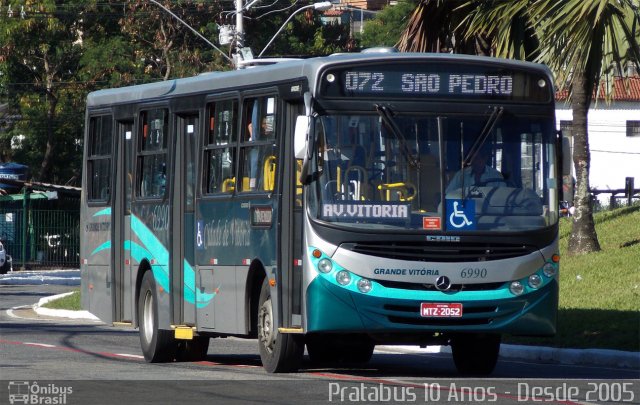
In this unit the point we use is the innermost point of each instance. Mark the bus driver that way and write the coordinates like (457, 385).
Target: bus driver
(478, 173)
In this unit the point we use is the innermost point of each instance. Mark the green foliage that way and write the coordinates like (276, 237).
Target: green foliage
(39, 59)
(303, 36)
(70, 302)
(387, 26)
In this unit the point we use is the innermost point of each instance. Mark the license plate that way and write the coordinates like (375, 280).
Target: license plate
(441, 310)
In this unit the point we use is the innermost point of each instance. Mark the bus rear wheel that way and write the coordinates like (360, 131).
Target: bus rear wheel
(157, 345)
(475, 353)
(279, 352)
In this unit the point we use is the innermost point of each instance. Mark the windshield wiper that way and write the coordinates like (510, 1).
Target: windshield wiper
(387, 119)
(496, 113)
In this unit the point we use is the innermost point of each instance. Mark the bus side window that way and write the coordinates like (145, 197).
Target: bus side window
(99, 158)
(258, 162)
(152, 153)
(220, 149)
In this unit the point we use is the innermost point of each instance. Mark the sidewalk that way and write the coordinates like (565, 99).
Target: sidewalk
(585, 357)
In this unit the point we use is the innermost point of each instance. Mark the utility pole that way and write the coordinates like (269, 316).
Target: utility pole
(239, 32)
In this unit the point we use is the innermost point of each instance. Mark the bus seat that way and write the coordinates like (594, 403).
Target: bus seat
(355, 182)
(269, 173)
(229, 185)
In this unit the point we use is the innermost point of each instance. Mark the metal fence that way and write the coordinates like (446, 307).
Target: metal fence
(41, 238)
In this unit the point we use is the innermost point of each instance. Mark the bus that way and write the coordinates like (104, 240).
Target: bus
(326, 203)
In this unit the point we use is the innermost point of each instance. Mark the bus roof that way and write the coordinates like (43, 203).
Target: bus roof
(278, 72)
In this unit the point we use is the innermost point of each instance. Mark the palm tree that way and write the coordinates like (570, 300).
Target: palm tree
(435, 26)
(585, 43)
(581, 41)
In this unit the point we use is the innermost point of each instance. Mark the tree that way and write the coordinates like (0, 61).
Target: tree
(585, 43)
(387, 26)
(38, 58)
(304, 35)
(437, 26)
(580, 41)
(164, 47)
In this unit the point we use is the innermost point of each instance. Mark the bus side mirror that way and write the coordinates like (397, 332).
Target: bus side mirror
(300, 136)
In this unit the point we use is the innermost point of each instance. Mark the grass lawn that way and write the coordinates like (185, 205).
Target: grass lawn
(600, 292)
(70, 302)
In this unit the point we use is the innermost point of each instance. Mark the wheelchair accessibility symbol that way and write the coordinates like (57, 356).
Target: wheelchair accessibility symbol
(462, 215)
(200, 235)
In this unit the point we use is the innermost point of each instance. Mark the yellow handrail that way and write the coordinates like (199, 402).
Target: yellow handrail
(402, 188)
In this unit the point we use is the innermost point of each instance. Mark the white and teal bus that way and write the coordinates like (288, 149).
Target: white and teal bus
(331, 203)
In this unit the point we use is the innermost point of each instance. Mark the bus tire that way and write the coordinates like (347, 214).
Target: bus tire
(279, 352)
(157, 345)
(475, 353)
(192, 350)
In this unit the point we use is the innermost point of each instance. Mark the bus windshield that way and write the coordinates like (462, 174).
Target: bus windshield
(485, 172)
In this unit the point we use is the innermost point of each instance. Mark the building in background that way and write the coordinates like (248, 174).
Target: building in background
(354, 12)
(614, 136)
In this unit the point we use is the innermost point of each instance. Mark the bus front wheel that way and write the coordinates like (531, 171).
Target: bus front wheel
(279, 352)
(157, 345)
(475, 353)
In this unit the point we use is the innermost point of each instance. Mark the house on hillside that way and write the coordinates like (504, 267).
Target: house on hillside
(354, 12)
(614, 136)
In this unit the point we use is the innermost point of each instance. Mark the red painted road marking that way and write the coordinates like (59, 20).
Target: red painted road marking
(325, 375)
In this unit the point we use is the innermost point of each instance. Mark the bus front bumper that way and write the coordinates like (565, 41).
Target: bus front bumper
(333, 308)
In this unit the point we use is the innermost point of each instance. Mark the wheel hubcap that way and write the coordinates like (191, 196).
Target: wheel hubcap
(265, 326)
(147, 317)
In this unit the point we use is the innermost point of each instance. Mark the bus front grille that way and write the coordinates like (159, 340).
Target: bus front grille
(439, 252)
(431, 287)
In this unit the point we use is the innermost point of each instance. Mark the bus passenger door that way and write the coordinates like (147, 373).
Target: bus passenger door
(183, 284)
(123, 310)
(291, 204)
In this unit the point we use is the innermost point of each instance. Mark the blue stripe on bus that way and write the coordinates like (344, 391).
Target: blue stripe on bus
(201, 300)
(104, 246)
(155, 249)
(152, 248)
(106, 211)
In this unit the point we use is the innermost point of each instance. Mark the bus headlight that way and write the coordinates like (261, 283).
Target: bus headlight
(343, 277)
(516, 288)
(325, 265)
(535, 281)
(549, 270)
(364, 285)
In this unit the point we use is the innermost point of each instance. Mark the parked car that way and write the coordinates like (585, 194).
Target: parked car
(5, 260)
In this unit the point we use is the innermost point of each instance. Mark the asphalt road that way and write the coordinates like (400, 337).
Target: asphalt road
(79, 361)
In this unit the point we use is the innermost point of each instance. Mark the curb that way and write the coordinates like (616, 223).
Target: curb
(61, 313)
(578, 357)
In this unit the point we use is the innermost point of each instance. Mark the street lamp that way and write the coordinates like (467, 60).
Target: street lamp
(321, 6)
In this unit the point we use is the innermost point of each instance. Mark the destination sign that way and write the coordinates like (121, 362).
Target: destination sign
(442, 80)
